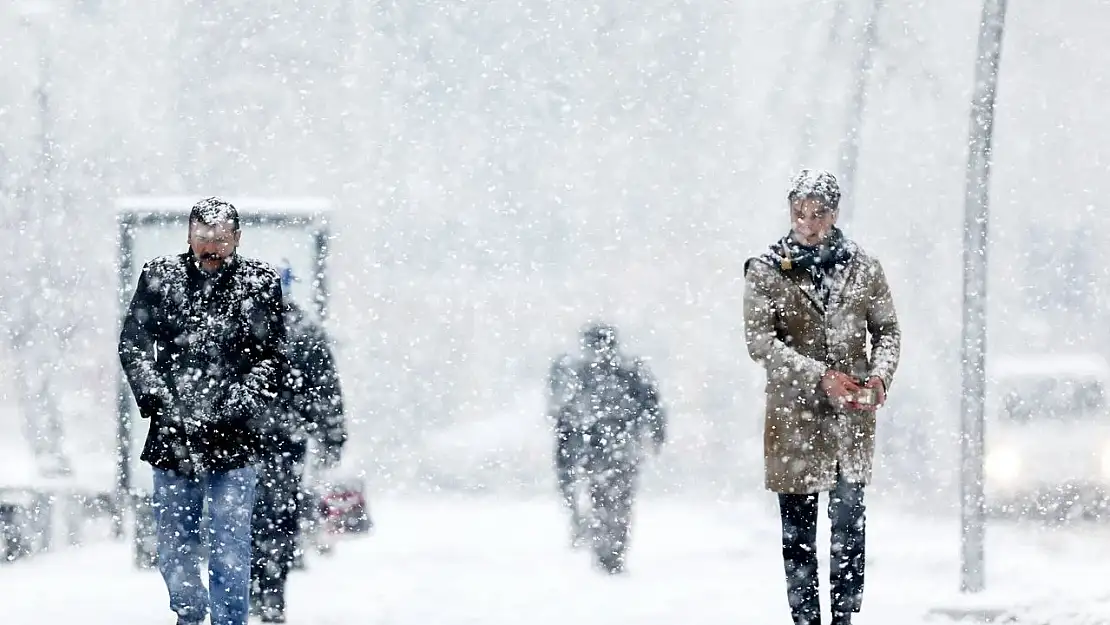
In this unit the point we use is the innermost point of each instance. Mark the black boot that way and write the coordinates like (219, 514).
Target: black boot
(273, 615)
(611, 563)
(273, 607)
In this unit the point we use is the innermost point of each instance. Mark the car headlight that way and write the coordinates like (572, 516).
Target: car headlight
(1004, 465)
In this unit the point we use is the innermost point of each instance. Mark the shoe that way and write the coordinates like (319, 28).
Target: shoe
(841, 619)
(273, 615)
(273, 607)
(612, 564)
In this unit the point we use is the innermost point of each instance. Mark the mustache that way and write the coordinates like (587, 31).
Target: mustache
(211, 256)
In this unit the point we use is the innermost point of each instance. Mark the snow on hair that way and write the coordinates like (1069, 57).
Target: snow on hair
(815, 183)
(212, 211)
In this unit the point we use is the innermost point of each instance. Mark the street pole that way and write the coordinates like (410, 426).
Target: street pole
(976, 211)
(41, 316)
(849, 149)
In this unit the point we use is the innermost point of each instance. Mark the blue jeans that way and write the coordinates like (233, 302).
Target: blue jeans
(178, 508)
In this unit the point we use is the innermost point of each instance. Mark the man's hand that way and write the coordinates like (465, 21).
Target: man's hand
(329, 457)
(840, 387)
(155, 404)
(241, 405)
(880, 394)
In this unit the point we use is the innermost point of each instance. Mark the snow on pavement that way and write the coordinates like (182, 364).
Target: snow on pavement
(455, 561)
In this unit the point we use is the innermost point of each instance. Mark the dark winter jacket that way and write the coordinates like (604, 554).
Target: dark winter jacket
(311, 400)
(203, 354)
(610, 406)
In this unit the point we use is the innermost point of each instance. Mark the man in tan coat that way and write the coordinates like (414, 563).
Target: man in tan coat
(811, 304)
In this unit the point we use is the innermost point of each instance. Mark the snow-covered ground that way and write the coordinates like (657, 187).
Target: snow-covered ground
(477, 560)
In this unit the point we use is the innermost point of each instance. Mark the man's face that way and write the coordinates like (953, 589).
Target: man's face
(811, 221)
(213, 245)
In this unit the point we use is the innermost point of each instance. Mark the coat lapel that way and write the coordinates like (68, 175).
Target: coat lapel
(801, 280)
(839, 281)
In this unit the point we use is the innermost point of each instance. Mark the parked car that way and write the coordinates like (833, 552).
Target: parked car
(344, 509)
(1047, 435)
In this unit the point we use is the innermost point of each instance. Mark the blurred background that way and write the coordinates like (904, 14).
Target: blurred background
(504, 171)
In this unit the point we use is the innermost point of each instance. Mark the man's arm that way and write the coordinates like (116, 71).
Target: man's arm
(563, 394)
(764, 346)
(137, 349)
(652, 413)
(882, 325)
(324, 394)
(261, 384)
(560, 384)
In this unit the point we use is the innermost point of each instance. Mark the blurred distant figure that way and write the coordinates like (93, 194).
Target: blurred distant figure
(310, 404)
(610, 404)
(811, 304)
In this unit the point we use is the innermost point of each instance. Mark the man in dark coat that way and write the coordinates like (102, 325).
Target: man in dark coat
(613, 405)
(311, 404)
(202, 346)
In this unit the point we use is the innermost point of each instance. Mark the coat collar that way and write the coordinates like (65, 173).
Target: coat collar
(839, 280)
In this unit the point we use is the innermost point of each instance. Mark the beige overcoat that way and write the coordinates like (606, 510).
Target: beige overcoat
(806, 439)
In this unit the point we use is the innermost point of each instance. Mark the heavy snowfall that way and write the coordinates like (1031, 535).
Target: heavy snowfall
(494, 175)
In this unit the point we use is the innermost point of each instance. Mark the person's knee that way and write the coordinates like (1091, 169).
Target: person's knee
(846, 506)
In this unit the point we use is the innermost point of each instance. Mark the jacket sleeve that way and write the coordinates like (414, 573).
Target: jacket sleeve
(652, 412)
(267, 362)
(882, 325)
(137, 348)
(560, 386)
(764, 345)
(323, 393)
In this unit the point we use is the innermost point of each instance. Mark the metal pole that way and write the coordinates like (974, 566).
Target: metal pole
(321, 268)
(124, 426)
(975, 295)
(817, 86)
(849, 149)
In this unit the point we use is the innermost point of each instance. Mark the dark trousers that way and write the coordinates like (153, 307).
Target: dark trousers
(612, 492)
(274, 527)
(799, 552)
(567, 461)
(566, 471)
